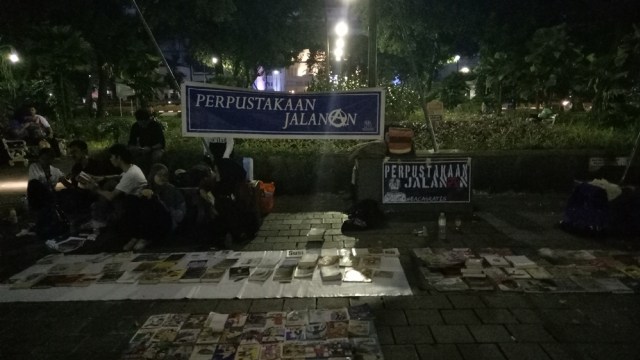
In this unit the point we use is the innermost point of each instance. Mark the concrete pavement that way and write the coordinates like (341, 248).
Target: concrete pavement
(428, 325)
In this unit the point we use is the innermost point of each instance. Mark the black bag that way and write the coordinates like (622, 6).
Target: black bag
(364, 215)
(587, 211)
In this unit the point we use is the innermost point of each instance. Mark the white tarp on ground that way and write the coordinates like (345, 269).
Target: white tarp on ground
(226, 289)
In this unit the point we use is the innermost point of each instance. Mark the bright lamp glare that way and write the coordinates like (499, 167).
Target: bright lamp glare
(464, 70)
(214, 60)
(342, 28)
(456, 58)
(340, 43)
(565, 102)
(276, 72)
(338, 53)
(14, 58)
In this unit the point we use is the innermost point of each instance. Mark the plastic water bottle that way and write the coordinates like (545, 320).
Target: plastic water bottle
(13, 216)
(442, 226)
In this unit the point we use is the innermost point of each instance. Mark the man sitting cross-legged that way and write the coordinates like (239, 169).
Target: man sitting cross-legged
(124, 200)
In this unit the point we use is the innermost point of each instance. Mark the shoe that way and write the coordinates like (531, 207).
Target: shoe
(141, 245)
(128, 246)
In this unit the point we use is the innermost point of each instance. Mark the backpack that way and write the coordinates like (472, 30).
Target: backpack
(587, 211)
(364, 215)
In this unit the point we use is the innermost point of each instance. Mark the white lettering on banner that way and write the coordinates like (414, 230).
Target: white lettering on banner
(423, 176)
(254, 103)
(336, 118)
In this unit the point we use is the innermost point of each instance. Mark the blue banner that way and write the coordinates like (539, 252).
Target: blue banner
(426, 181)
(212, 110)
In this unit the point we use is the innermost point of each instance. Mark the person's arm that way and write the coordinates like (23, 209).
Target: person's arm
(133, 136)
(228, 148)
(109, 195)
(159, 136)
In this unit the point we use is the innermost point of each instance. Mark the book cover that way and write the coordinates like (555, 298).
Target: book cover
(155, 321)
(193, 274)
(479, 283)
(231, 335)
(112, 266)
(450, 284)
(217, 321)
(331, 273)
(328, 260)
(284, 272)
(26, 281)
(239, 273)
(520, 261)
(236, 319)
(271, 351)
(371, 262)
(248, 352)
(539, 273)
(349, 261)
(308, 260)
(496, 260)
(507, 284)
(250, 336)
(337, 330)
(142, 336)
(390, 252)
(359, 328)
(144, 266)
(255, 320)
(208, 336)
(213, 275)
(224, 352)
(273, 334)
(515, 273)
(537, 286)
(383, 274)
(70, 268)
(179, 352)
(249, 262)
(297, 318)
(294, 333)
(149, 257)
(57, 280)
(173, 275)
(195, 321)
(128, 277)
(276, 318)
(203, 352)
(339, 349)
(360, 312)
(293, 350)
(149, 278)
(174, 258)
(316, 331)
(357, 275)
(366, 348)
(588, 284)
(86, 280)
(261, 274)
(304, 272)
(187, 336)
(165, 334)
(614, 285)
(176, 320)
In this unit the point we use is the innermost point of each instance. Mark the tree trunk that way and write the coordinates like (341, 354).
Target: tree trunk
(103, 79)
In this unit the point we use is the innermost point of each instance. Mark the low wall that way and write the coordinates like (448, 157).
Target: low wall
(521, 171)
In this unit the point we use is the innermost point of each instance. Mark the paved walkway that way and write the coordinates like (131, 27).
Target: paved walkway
(427, 325)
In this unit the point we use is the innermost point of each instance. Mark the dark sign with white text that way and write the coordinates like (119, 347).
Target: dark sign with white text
(209, 110)
(426, 181)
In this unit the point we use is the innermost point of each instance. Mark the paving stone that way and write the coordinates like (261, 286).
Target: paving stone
(506, 301)
(92, 348)
(412, 334)
(480, 352)
(496, 316)
(299, 304)
(332, 302)
(527, 316)
(606, 351)
(228, 306)
(265, 305)
(490, 333)
(438, 352)
(405, 352)
(390, 317)
(418, 302)
(459, 317)
(529, 333)
(385, 335)
(557, 351)
(523, 351)
(466, 301)
(551, 301)
(423, 317)
(451, 334)
(564, 316)
(375, 302)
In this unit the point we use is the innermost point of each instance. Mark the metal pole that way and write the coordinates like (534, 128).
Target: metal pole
(631, 158)
(373, 44)
(153, 39)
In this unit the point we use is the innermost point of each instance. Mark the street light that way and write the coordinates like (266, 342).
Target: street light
(214, 60)
(465, 70)
(14, 58)
(341, 28)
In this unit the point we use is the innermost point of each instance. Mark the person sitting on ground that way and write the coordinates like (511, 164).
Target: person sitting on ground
(146, 139)
(76, 201)
(169, 196)
(124, 199)
(41, 194)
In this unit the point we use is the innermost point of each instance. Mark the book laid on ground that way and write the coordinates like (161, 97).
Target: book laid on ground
(539, 273)
(129, 277)
(331, 273)
(213, 275)
(203, 352)
(328, 260)
(284, 272)
(297, 317)
(216, 321)
(238, 273)
(479, 283)
(225, 263)
(195, 270)
(454, 283)
(357, 275)
(495, 260)
(69, 268)
(173, 275)
(260, 274)
(308, 260)
(26, 281)
(303, 272)
(520, 261)
(359, 328)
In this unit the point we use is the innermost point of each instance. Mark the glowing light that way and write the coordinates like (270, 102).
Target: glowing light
(340, 43)
(13, 185)
(276, 72)
(565, 102)
(14, 58)
(456, 58)
(465, 70)
(342, 28)
(338, 53)
(214, 60)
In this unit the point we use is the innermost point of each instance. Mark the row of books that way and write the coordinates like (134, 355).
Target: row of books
(344, 333)
(552, 270)
(334, 265)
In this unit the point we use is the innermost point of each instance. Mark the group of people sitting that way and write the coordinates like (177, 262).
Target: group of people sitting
(137, 201)
(33, 129)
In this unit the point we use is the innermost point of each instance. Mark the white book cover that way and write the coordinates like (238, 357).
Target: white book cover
(496, 260)
(520, 261)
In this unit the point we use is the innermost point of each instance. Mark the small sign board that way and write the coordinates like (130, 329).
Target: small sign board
(595, 163)
(427, 180)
